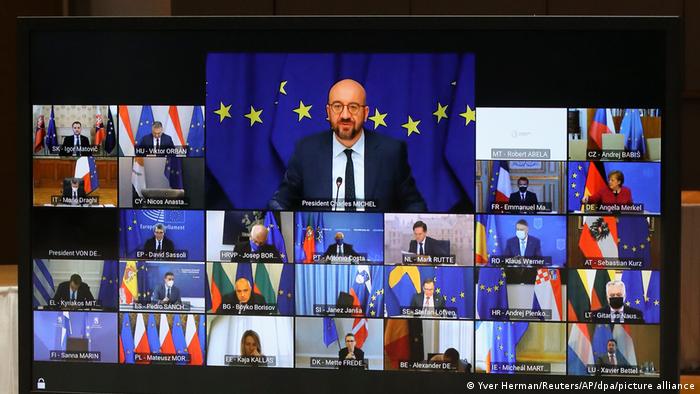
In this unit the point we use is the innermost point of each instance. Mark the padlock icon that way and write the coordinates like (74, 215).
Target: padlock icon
(41, 384)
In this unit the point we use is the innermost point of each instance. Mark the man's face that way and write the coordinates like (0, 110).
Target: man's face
(521, 227)
(347, 97)
(74, 185)
(615, 291)
(419, 234)
(612, 348)
(169, 278)
(522, 184)
(73, 286)
(76, 128)
(339, 239)
(428, 289)
(260, 238)
(159, 233)
(157, 131)
(243, 291)
(350, 342)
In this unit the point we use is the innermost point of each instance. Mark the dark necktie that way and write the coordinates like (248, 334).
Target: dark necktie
(522, 196)
(158, 246)
(77, 145)
(349, 181)
(168, 293)
(420, 251)
(72, 296)
(157, 145)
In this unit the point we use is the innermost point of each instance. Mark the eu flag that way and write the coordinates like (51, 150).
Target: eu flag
(652, 313)
(274, 235)
(303, 220)
(577, 184)
(129, 233)
(260, 104)
(145, 123)
(51, 136)
(505, 337)
(455, 286)
(634, 290)
(109, 285)
(195, 138)
(634, 240)
(330, 332)
(492, 295)
(152, 334)
(173, 172)
(285, 291)
(245, 270)
(144, 287)
(179, 337)
(631, 128)
(126, 340)
(111, 140)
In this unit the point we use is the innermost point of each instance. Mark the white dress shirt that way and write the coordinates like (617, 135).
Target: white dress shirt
(358, 162)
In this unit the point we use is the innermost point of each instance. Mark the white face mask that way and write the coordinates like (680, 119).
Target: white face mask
(170, 283)
(520, 234)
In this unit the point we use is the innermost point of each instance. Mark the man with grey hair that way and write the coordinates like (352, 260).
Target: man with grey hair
(618, 310)
(159, 242)
(157, 143)
(256, 249)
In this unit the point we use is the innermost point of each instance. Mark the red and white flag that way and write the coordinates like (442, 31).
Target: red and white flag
(167, 346)
(548, 291)
(192, 340)
(141, 338)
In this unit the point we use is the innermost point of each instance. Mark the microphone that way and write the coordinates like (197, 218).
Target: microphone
(338, 182)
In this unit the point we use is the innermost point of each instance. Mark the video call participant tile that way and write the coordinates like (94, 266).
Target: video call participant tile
(338, 343)
(432, 239)
(250, 341)
(339, 290)
(250, 288)
(158, 234)
(75, 285)
(521, 187)
(622, 350)
(162, 338)
(615, 242)
(520, 241)
(250, 236)
(65, 336)
(161, 286)
(73, 233)
(429, 292)
(429, 345)
(74, 130)
(521, 294)
(614, 187)
(615, 134)
(161, 182)
(615, 296)
(339, 238)
(161, 130)
(86, 182)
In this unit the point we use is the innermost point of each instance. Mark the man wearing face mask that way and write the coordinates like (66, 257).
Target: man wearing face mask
(522, 196)
(617, 310)
(166, 292)
(339, 248)
(523, 244)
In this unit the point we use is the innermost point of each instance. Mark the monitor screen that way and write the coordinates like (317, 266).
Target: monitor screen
(288, 206)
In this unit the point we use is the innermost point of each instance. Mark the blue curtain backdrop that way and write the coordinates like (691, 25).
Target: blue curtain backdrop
(247, 156)
(318, 284)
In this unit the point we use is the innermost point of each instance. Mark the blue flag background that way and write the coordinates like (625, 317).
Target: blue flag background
(248, 156)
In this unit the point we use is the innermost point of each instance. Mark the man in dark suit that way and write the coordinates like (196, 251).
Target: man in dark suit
(522, 196)
(159, 242)
(257, 245)
(424, 245)
(73, 144)
(523, 244)
(155, 143)
(339, 248)
(617, 311)
(426, 301)
(166, 292)
(349, 164)
(73, 290)
(74, 189)
(610, 358)
(242, 296)
(350, 351)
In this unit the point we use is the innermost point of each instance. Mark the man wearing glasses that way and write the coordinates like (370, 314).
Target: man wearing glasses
(350, 169)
